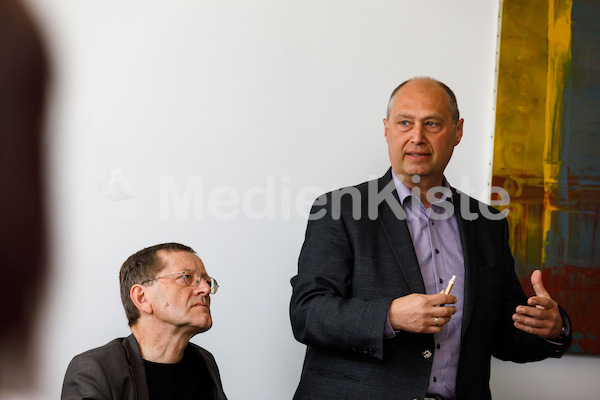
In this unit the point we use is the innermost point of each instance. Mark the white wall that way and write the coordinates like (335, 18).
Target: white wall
(188, 103)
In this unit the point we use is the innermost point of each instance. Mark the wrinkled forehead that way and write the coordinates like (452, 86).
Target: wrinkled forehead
(177, 261)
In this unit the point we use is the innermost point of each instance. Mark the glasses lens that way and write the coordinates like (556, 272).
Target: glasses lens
(213, 285)
(191, 278)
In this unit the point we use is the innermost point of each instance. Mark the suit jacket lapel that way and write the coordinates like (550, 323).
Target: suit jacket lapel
(213, 371)
(136, 365)
(398, 236)
(468, 239)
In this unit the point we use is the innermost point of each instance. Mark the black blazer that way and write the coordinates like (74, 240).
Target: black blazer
(349, 271)
(116, 371)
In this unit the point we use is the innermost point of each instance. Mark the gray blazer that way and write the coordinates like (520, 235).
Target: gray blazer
(350, 270)
(116, 371)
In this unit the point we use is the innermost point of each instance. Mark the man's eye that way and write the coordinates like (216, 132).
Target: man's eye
(433, 126)
(404, 123)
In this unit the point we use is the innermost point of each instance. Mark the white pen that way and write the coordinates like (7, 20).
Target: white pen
(450, 284)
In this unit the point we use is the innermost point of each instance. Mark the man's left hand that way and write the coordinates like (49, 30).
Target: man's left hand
(542, 317)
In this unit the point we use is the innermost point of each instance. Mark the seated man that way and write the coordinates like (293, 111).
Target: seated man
(166, 294)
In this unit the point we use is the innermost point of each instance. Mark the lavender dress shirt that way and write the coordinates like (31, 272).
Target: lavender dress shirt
(436, 241)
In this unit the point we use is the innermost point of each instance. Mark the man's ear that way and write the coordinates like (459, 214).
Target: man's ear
(139, 297)
(385, 129)
(459, 131)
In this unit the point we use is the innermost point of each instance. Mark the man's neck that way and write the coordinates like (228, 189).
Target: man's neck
(422, 186)
(160, 346)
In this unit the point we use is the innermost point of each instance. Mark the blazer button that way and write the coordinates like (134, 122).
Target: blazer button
(427, 354)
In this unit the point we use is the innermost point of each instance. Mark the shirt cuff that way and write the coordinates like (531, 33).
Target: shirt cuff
(388, 331)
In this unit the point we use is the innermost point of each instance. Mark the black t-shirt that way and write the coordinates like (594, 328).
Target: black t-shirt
(188, 379)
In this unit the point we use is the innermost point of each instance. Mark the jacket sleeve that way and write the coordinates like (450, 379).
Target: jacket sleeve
(85, 379)
(324, 311)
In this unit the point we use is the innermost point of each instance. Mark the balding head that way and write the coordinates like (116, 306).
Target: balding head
(452, 103)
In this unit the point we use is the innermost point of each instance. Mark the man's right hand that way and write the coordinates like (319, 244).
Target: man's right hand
(421, 313)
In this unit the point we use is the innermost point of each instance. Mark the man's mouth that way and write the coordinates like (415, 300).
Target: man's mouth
(200, 304)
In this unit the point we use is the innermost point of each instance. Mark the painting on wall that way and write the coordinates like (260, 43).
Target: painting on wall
(547, 151)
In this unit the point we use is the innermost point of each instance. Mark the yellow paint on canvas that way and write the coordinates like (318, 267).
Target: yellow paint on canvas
(559, 61)
(522, 82)
(520, 122)
(533, 63)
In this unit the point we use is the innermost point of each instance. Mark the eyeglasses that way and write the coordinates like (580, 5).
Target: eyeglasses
(192, 279)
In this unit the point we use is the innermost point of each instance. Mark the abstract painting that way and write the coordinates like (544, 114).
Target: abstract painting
(547, 151)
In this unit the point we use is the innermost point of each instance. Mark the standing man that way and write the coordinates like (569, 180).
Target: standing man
(369, 301)
(166, 294)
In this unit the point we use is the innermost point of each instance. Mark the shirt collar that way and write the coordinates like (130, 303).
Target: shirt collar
(404, 191)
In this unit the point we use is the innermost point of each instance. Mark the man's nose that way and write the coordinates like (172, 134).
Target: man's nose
(202, 288)
(418, 133)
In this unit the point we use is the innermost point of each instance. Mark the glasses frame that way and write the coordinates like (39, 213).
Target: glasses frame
(212, 282)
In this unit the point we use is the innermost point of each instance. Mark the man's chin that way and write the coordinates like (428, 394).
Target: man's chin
(204, 326)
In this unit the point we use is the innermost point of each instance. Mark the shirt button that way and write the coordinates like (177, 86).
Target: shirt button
(432, 223)
(437, 346)
(434, 379)
(441, 280)
(437, 251)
